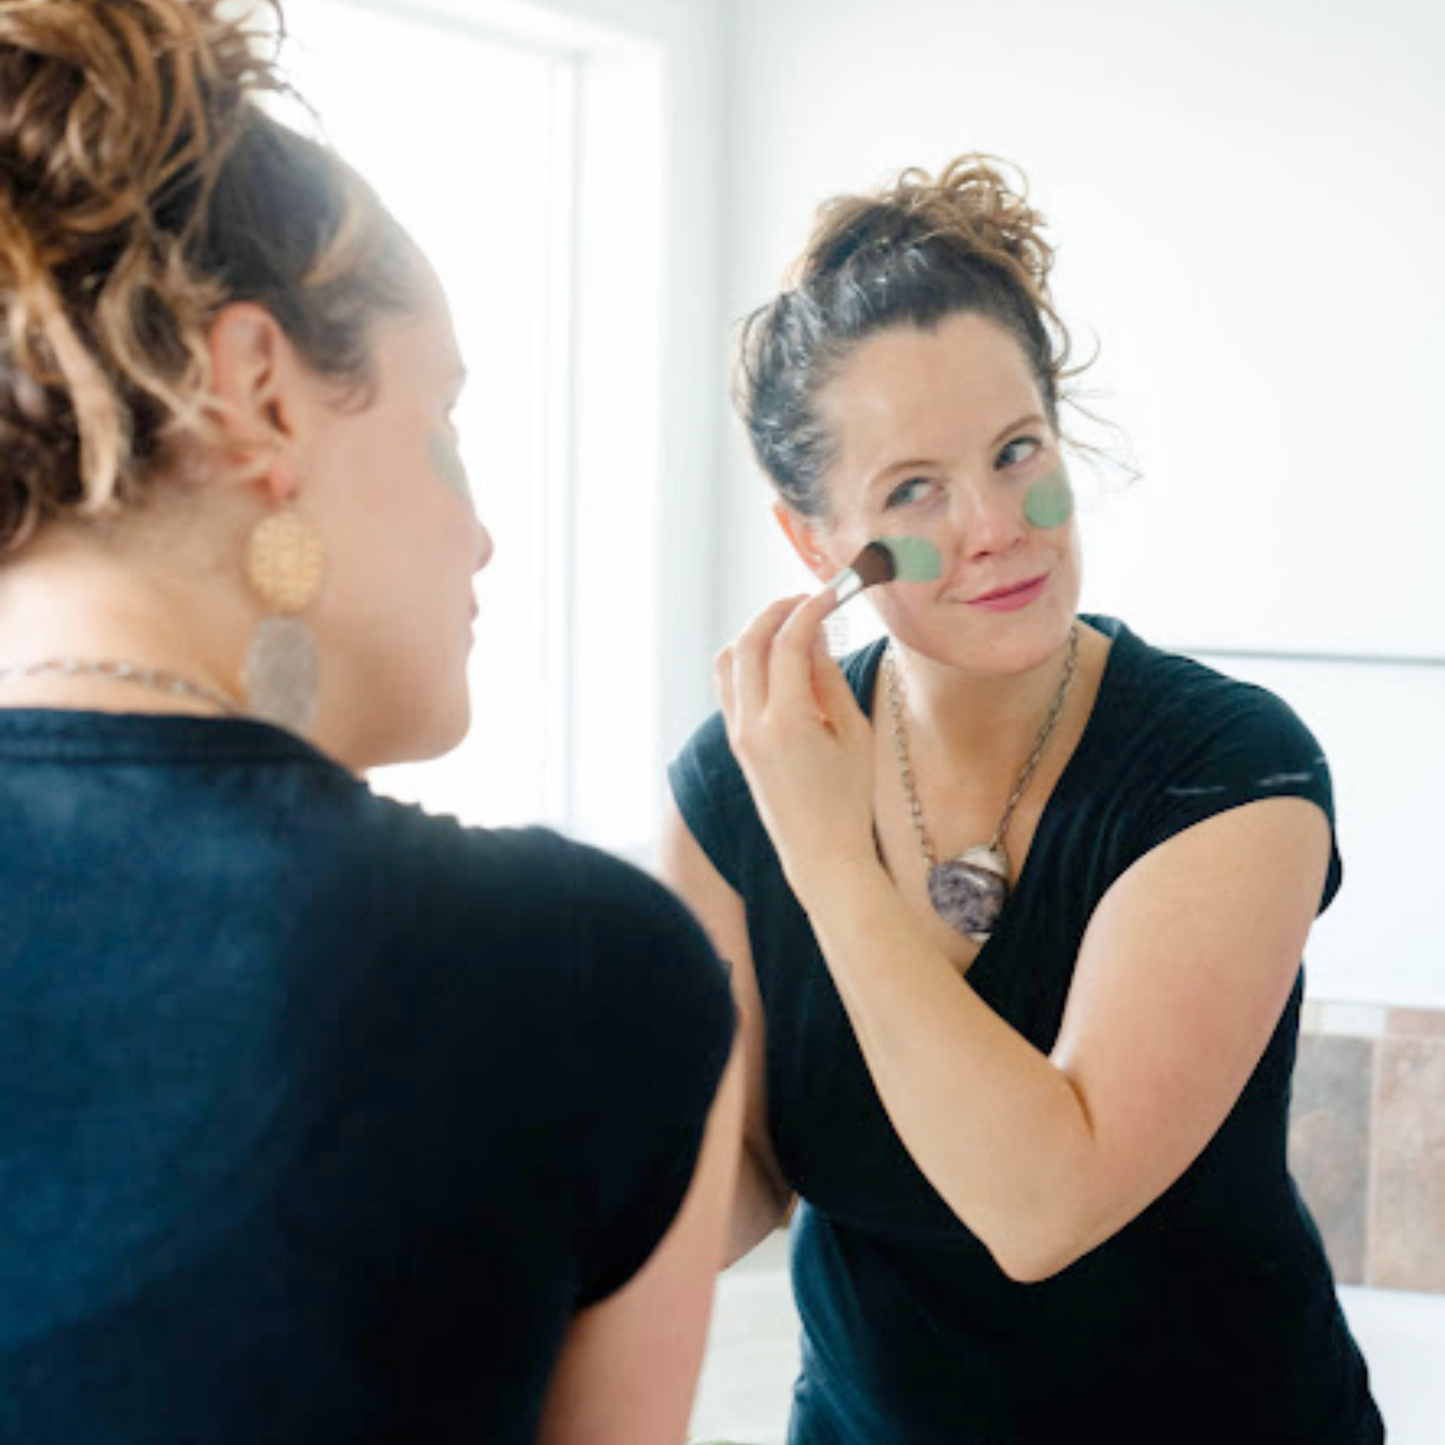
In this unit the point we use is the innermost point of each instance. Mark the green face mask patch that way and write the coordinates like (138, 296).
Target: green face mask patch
(446, 461)
(1050, 501)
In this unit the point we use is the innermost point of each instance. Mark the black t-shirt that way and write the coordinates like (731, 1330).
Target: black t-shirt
(1212, 1316)
(319, 1117)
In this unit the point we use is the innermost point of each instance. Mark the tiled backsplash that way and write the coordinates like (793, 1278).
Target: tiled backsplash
(1367, 1141)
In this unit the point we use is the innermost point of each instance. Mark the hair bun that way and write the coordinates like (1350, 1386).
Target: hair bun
(107, 104)
(972, 208)
(914, 252)
(116, 117)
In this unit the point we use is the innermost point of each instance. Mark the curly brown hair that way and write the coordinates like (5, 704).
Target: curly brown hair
(142, 188)
(912, 253)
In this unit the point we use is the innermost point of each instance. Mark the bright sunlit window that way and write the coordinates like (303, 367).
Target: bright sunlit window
(497, 153)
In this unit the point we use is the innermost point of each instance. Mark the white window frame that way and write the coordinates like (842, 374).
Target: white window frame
(648, 671)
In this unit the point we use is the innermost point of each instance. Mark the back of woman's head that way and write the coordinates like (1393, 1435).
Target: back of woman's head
(910, 254)
(142, 188)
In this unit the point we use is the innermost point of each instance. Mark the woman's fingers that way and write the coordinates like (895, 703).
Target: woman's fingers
(836, 700)
(799, 736)
(779, 670)
(742, 670)
(802, 674)
(722, 676)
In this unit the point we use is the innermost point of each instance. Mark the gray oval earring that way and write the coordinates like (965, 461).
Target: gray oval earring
(282, 674)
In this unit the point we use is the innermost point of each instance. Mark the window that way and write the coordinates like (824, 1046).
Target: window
(530, 170)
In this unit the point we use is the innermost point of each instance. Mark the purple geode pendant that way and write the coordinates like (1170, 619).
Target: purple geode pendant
(968, 892)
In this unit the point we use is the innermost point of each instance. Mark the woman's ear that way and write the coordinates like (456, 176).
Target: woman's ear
(257, 382)
(804, 536)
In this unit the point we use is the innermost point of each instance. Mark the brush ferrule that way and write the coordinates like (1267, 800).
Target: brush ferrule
(847, 584)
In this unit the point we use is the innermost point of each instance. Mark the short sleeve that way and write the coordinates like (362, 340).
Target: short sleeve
(659, 1028)
(714, 798)
(715, 802)
(1234, 744)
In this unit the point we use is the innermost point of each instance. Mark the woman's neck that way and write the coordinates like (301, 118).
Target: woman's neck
(67, 597)
(982, 724)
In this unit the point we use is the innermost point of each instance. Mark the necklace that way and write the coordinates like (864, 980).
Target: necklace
(969, 890)
(155, 678)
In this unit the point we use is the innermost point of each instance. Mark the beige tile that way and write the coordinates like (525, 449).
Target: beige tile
(1417, 1023)
(1329, 1143)
(1407, 1220)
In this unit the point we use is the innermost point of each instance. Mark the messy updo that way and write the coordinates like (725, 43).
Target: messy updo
(142, 188)
(918, 251)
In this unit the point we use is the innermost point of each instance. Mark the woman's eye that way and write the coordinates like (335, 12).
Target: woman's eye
(1017, 451)
(910, 491)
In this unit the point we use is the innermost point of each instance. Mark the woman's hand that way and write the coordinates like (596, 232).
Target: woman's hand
(803, 743)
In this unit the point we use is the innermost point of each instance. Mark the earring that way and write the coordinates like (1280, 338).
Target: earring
(282, 675)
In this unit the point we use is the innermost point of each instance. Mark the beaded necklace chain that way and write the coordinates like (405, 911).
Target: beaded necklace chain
(155, 678)
(969, 890)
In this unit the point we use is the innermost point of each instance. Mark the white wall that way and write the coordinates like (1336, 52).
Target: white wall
(1379, 724)
(687, 35)
(1250, 208)
(639, 319)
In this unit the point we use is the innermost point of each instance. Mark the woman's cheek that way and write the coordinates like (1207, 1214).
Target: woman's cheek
(1049, 502)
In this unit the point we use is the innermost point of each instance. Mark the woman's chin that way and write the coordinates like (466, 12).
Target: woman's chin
(421, 740)
(442, 734)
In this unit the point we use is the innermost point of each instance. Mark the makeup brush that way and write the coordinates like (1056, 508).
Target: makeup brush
(888, 559)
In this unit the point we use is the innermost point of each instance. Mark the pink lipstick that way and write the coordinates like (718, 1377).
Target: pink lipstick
(1010, 599)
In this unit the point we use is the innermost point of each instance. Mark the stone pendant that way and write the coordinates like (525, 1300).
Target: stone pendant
(968, 892)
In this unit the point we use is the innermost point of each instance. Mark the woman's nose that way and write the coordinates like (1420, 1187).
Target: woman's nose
(485, 545)
(989, 518)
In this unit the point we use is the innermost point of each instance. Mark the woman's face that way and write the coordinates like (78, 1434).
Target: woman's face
(404, 541)
(942, 434)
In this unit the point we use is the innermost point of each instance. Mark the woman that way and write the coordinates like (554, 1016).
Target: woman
(1014, 903)
(320, 1119)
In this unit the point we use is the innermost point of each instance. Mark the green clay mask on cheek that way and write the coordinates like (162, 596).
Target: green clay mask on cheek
(1050, 501)
(446, 461)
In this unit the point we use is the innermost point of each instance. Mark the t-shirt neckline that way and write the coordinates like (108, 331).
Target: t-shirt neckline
(1121, 639)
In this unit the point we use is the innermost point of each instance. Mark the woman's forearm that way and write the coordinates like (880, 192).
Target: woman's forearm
(761, 1205)
(997, 1129)
(1183, 973)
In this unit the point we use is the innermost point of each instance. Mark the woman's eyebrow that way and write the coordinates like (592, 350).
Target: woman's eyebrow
(1032, 419)
(884, 474)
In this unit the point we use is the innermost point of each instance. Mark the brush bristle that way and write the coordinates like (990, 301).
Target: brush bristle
(911, 559)
(886, 559)
(875, 564)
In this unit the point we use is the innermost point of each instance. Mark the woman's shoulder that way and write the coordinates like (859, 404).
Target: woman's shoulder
(1176, 741)
(715, 802)
(533, 879)
(571, 944)
(1154, 693)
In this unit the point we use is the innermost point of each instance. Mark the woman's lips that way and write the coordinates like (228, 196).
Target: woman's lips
(1010, 599)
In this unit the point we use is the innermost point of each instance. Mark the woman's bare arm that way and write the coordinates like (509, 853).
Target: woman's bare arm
(1182, 977)
(629, 1366)
(1180, 981)
(763, 1201)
